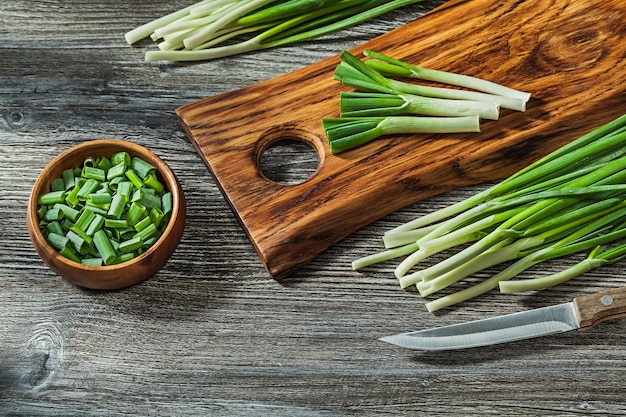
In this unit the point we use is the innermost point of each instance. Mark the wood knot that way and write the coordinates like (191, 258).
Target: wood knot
(569, 51)
(14, 119)
(44, 352)
(578, 43)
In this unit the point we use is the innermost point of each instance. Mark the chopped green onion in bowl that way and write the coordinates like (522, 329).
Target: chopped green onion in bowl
(102, 205)
(132, 259)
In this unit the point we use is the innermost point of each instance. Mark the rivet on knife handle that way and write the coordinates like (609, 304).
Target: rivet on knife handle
(595, 308)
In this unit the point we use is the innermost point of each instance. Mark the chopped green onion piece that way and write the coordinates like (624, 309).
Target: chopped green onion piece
(142, 224)
(104, 247)
(80, 245)
(125, 188)
(114, 182)
(87, 188)
(53, 214)
(84, 220)
(58, 242)
(147, 232)
(67, 224)
(95, 209)
(72, 197)
(57, 184)
(68, 178)
(118, 204)
(156, 216)
(41, 211)
(103, 163)
(120, 158)
(100, 206)
(96, 224)
(142, 168)
(51, 198)
(90, 161)
(124, 257)
(167, 203)
(100, 198)
(80, 232)
(69, 253)
(69, 212)
(116, 171)
(134, 178)
(97, 174)
(149, 241)
(131, 245)
(55, 227)
(135, 213)
(92, 261)
(152, 181)
(115, 223)
(146, 198)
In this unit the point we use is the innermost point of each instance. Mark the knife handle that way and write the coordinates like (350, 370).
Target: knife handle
(595, 308)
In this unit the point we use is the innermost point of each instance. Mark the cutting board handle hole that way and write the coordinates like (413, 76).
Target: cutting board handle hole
(288, 157)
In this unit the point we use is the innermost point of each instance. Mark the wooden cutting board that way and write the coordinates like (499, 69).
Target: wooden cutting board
(569, 54)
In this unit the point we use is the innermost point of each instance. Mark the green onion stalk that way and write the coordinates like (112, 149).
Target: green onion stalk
(207, 30)
(357, 104)
(391, 66)
(368, 77)
(380, 102)
(570, 201)
(347, 133)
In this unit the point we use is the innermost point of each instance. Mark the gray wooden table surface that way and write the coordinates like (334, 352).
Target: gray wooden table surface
(211, 334)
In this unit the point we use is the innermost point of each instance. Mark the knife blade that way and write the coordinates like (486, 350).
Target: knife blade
(582, 313)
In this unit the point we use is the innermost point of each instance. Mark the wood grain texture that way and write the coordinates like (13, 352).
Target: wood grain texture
(594, 309)
(568, 54)
(211, 334)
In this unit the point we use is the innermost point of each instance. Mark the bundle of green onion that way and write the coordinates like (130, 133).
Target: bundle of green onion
(211, 29)
(570, 201)
(383, 105)
(107, 211)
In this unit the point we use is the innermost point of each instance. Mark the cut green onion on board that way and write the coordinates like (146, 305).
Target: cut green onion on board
(213, 29)
(349, 132)
(356, 104)
(572, 200)
(107, 220)
(392, 66)
(381, 101)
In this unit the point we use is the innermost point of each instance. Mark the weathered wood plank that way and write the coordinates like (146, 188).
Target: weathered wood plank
(212, 333)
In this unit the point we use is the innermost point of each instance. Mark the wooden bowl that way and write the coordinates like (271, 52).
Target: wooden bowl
(118, 275)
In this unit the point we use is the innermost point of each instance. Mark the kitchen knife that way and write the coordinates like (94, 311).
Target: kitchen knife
(581, 313)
